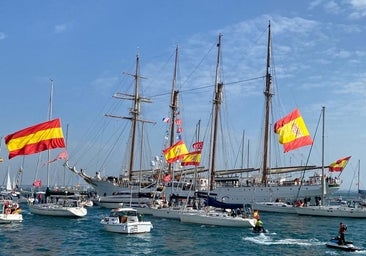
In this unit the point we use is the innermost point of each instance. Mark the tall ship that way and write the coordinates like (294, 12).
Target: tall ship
(259, 184)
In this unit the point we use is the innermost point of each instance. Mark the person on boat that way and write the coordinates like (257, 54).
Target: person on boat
(342, 230)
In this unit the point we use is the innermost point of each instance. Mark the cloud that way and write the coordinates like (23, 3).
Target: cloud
(60, 28)
(359, 8)
(2, 36)
(332, 7)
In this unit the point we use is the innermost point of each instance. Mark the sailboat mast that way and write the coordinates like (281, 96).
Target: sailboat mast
(323, 150)
(173, 106)
(49, 118)
(358, 176)
(217, 102)
(134, 113)
(268, 96)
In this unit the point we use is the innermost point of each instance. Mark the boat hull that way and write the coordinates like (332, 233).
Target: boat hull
(172, 212)
(10, 218)
(129, 228)
(349, 247)
(232, 194)
(57, 210)
(332, 211)
(279, 207)
(125, 221)
(217, 219)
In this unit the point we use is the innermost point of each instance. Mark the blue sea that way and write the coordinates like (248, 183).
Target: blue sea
(289, 234)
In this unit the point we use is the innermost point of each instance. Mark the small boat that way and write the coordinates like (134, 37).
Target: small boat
(66, 206)
(125, 221)
(10, 212)
(348, 246)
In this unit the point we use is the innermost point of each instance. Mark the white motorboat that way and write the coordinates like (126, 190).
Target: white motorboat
(125, 221)
(10, 212)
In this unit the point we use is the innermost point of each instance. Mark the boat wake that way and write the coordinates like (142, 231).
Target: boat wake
(264, 239)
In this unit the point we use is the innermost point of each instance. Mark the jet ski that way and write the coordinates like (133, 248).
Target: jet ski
(259, 230)
(348, 246)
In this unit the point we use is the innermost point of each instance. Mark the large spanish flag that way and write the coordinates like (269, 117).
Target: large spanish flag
(339, 165)
(292, 131)
(35, 139)
(192, 158)
(175, 152)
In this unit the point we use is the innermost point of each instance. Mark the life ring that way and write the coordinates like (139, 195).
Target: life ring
(7, 211)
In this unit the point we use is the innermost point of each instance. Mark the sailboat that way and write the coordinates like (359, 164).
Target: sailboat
(55, 205)
(218, 213)
(175, 201)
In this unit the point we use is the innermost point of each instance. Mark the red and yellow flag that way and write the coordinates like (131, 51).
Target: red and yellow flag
(175, 152)
(339, 165)
(35, 139)
(192, 158)
(292, 131)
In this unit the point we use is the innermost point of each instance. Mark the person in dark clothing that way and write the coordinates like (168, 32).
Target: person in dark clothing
(342, 230)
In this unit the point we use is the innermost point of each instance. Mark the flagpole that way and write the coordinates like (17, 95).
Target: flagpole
(49, 118)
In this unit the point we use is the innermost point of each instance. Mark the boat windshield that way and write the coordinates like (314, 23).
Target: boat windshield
(123, 213)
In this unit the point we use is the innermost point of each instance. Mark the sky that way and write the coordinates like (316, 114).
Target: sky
(88, 49)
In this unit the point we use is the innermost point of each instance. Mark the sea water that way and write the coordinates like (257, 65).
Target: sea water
(289, 234)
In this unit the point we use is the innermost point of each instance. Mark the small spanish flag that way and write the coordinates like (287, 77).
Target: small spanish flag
(175, 152)
(34, 139)
(339, 165)
(192, 158)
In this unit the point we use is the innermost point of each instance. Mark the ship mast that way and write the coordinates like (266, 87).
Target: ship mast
(217, 102)
(134, 113)
(268, 96)
(173, 106)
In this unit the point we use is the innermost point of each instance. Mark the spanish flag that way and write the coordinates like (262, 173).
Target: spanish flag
(175, 152)
(292, 131)
(339, 165)
(34, 139)
(192, 158)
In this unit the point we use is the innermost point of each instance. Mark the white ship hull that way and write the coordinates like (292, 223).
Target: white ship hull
(239, 194)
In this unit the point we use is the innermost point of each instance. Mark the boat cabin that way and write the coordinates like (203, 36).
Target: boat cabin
(125, 215)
